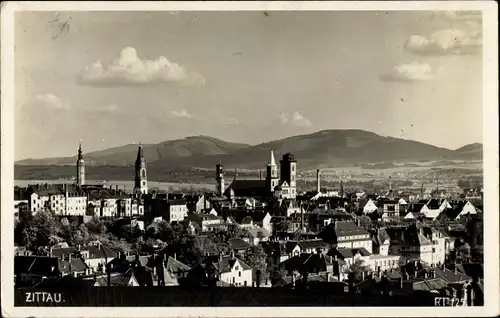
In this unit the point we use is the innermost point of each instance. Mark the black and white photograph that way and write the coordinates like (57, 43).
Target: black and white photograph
(249, 159)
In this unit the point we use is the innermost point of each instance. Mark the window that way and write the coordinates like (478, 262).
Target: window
(239, 274)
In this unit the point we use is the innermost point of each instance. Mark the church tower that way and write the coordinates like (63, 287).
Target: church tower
(271, 174)
(80, 167)
(289, 172)
(219, 177)
(141, 183)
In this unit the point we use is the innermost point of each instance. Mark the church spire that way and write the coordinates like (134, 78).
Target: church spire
(272, 162)
(80, 153)
(80, 166)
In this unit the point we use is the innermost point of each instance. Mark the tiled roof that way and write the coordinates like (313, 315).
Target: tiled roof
(58, 252)
(225, 263)
(56, 189)
(351, 252)
(77, 265)
(248, 188)
(312, 244)
(116, 279)
(348, 228)
(450, 276)
(430, 284)
(238, 244)
(258, 232)
(40, 265)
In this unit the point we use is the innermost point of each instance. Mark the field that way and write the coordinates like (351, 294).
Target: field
(403, 174)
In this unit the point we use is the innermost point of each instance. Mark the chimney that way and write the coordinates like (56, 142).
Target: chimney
(108, 270)
(165, 256)
(425, 275)
(175, 256)
(232, 255)
(363, 276)
(318, 181)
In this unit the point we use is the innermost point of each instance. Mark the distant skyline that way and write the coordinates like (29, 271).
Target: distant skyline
(116, 78)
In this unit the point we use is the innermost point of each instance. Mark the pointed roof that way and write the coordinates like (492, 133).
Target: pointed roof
(140, 154)
(80, 156)
(272, 162)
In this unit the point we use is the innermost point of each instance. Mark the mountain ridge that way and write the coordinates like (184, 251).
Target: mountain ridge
(322, 148)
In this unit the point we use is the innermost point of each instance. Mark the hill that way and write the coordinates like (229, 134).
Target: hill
(470, 151)
(324, 149)
(327, 148)
(125, 155)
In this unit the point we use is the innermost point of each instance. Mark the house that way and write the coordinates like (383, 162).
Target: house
(411, 244)
(440, 245)
(33, 269)
(370, 207)
(198, 203)
(381, 263)
(350, 255)
(262, 219)
(435, 207)
(167, 270)
(96, 256)
(169, 210)
(465, 208)
(62, 199)
(311, 263)
(117, 279)
(207, 222)
(388, 208)
(238, 245)
(313, 246)
(226, 269)
(346, 234)
(403, 205)
(381, 242)
(417, 210)
(257, 235)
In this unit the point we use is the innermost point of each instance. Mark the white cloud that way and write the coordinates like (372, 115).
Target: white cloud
(415, 71)
(446, 42)
(463, 35)
(129, 69)
(182, 113)
(296, 119)
(52, 101)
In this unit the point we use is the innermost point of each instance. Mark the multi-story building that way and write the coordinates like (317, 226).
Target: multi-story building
(346, 234)
(62, 199)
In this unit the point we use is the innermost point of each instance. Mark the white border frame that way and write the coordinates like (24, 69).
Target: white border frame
(490, 142)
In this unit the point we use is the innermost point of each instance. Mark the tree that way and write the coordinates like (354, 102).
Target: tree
(256, 259)
(236, 232)
(357, 269)
(281, 226)
(82, 235)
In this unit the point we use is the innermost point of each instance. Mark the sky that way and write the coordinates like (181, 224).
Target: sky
(115, 78)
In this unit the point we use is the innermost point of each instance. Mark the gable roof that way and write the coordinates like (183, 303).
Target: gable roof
(239, 244)
(312, 244)
(258, 232)
(247, 188)
(350, 252)
(224, 264)
(450, 276)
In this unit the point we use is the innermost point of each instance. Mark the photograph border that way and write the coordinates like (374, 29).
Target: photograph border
(490, 159)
